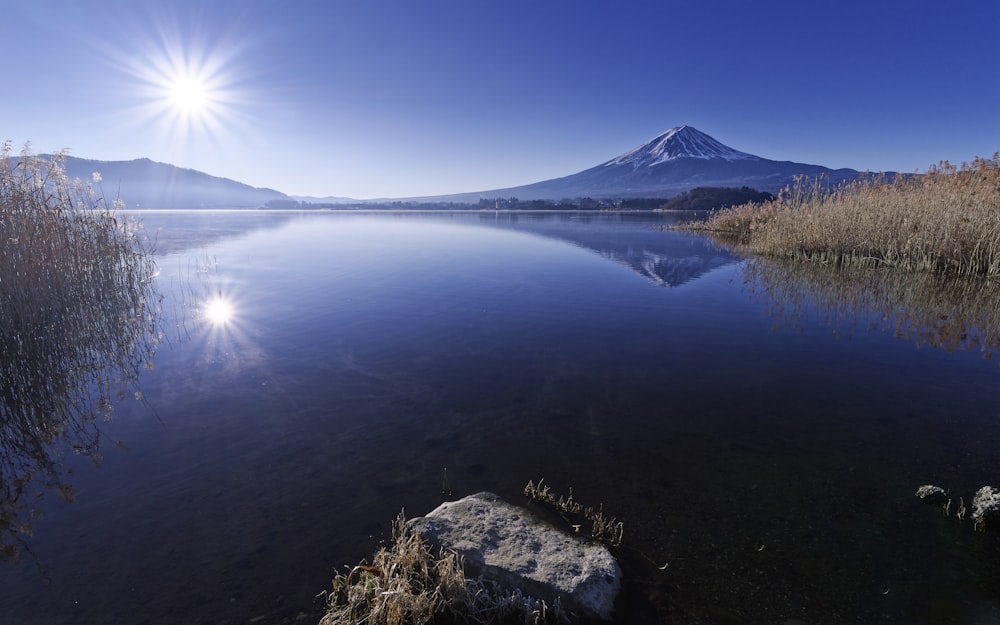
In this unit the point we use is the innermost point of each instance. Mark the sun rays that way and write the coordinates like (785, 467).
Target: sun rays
(183, 91)
(224, 329)
(218, 311)
(189, 95)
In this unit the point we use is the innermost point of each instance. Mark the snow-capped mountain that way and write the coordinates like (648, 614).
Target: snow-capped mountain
(675, 144)
(674, 161)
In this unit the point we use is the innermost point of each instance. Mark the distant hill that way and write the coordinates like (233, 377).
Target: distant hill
(142, 183)
(331, 200)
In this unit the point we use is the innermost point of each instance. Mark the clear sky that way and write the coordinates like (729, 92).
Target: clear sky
(394, 98)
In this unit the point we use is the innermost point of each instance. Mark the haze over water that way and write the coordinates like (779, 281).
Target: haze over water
(765, 449)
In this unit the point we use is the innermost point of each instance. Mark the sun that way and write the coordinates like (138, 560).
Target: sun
(185, 93)
(189, 94)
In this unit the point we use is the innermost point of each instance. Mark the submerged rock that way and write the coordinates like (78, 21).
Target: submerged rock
(510, 545)
(985, 505)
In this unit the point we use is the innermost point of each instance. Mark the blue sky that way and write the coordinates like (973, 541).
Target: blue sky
(394, 98)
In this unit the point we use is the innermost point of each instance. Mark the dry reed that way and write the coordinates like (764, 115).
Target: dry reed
(79, 319)
(946, 220)
(604, 528)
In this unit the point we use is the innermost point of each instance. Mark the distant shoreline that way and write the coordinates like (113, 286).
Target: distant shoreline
(376, 211)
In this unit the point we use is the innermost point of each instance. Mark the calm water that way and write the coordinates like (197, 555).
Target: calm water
(764, 447)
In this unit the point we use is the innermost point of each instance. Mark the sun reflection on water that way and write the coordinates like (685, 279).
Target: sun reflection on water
(218, 311)
(224, 332)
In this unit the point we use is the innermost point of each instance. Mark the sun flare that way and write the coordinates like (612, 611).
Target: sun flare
(218, 311)
(188, 94)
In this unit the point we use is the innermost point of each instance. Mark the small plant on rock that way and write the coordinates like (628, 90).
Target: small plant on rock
(607, 529)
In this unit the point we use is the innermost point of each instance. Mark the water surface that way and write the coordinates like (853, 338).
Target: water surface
(765, 450)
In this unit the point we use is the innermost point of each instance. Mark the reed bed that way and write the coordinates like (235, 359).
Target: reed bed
(408, 583)
(947, 220)
(79, 320)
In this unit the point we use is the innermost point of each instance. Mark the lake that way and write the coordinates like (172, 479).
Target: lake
(760, 429)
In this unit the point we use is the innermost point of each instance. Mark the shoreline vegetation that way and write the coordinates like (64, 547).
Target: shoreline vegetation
(947, 220)
(79, 321)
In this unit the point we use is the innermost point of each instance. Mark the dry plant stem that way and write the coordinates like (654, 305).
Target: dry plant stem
(607, 529)
(79, 319)
(947, 220)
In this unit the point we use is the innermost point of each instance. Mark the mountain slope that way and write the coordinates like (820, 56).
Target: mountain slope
(142, 183)
(671, 163)
(675, 161)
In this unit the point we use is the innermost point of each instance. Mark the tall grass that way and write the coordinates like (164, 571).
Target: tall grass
(946, 220)
(79, 319)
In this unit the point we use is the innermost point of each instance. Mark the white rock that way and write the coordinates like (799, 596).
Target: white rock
(511, 546)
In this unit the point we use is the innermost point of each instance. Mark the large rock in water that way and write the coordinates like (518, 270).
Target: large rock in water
(513, 547)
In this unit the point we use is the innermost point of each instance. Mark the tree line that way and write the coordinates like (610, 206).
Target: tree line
(700, 198)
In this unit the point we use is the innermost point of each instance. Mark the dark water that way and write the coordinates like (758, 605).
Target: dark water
(761, 432)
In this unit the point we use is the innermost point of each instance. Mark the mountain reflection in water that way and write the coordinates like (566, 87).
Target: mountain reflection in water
(635, 240)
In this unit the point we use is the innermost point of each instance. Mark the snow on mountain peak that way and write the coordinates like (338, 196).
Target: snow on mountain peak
(677, 143)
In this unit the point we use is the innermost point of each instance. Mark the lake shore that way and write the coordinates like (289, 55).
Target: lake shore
(946, 220)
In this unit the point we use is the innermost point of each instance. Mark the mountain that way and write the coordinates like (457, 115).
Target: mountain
(143, 183)
(329, 199)
(675, 161)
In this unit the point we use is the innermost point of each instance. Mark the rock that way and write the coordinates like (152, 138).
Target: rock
(513, 547)
(932, 494)
(985, 505)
